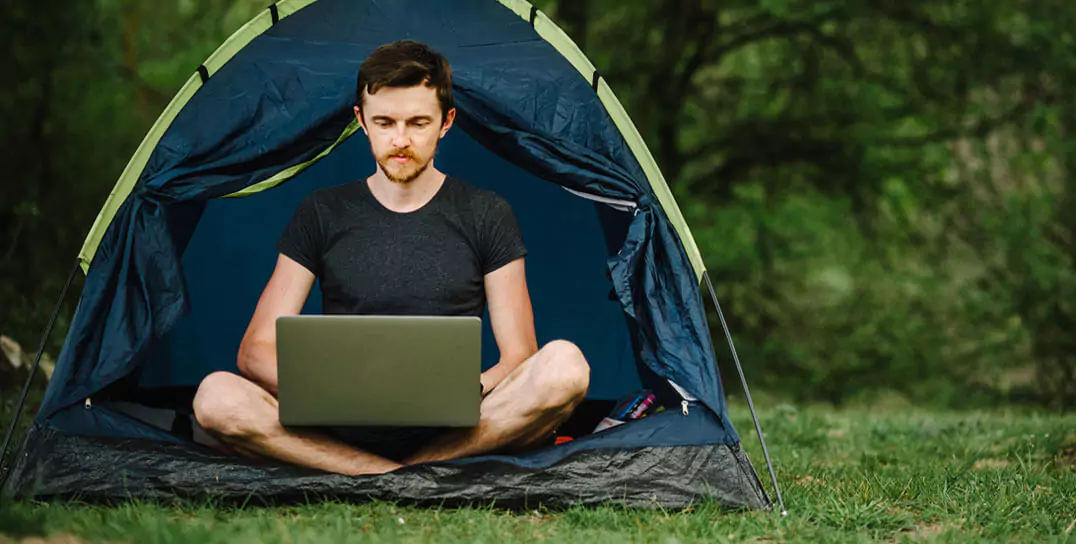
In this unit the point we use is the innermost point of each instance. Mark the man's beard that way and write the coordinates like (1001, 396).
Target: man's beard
(408, 175)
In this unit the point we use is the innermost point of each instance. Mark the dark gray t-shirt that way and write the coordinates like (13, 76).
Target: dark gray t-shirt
(374, 261)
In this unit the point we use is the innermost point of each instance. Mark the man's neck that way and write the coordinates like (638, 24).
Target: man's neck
(405, 197)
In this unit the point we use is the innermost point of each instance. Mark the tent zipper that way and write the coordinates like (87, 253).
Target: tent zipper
(615, 203)
(686, 398)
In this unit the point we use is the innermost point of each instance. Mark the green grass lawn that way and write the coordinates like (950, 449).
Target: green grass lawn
(851, 475)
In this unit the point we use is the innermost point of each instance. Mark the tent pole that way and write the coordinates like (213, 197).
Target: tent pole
(747, 392)
(33, 371)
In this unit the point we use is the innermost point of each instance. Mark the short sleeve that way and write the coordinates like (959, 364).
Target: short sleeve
(502, 240)
(302, 239)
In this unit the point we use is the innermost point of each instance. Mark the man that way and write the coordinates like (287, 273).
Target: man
(408, 240)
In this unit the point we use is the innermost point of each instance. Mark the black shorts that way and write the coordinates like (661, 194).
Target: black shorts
(394, 443)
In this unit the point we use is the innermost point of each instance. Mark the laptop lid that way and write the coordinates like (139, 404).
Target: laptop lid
(379, 370)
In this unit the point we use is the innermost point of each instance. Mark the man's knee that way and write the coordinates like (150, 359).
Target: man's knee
(564, 371)
(220, 402)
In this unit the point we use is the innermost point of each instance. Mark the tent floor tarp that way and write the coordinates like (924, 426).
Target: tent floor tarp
(55, 465)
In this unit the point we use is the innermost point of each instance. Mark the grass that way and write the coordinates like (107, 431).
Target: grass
(891, 474)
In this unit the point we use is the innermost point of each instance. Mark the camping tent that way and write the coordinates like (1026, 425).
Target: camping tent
(180, 251)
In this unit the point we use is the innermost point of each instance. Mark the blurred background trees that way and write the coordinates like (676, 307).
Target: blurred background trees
(82, 84)
(883, 190)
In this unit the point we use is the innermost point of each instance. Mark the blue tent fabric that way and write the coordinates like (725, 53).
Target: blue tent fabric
(286, 97)
(652, 275)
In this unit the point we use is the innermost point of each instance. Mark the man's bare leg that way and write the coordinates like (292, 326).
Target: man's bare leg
(243, 415)
(529, 404)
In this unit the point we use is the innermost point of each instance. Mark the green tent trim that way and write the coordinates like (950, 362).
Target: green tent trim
(543, 25)
(290, 172)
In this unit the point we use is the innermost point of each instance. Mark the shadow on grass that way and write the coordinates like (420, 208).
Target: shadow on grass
(21, 519)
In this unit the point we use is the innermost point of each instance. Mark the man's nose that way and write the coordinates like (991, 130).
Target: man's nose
(401, 138)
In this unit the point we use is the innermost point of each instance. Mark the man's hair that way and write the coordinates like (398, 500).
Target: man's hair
(406, 63)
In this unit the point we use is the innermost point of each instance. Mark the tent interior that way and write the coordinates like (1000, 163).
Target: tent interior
(230, 255)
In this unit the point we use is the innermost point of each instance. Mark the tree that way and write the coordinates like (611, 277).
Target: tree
(833, 145)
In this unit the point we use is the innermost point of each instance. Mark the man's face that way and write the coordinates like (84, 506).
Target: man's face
(404, 125)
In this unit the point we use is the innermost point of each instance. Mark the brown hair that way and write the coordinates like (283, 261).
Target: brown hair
(406, 63)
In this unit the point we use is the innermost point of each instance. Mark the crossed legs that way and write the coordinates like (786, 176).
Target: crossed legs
(524, 408)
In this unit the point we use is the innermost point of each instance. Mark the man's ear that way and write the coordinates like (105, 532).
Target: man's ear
(358, 117)
(450, 116)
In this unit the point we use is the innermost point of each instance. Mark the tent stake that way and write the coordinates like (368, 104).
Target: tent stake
(747, 392)
(33, 371)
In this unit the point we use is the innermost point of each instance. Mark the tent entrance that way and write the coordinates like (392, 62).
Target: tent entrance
(231, 255)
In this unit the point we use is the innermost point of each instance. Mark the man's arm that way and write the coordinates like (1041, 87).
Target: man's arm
(284, 295)
(512, 321)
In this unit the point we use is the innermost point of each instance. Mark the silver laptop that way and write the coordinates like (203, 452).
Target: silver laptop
(379, 370)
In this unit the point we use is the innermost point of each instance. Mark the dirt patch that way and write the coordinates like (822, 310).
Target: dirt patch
(810, 481)
(928, 531)
(991, 464)
(61, 538)
(925, 531)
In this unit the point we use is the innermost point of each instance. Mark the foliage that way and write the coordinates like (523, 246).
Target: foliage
(847, 476)
(883, 191)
